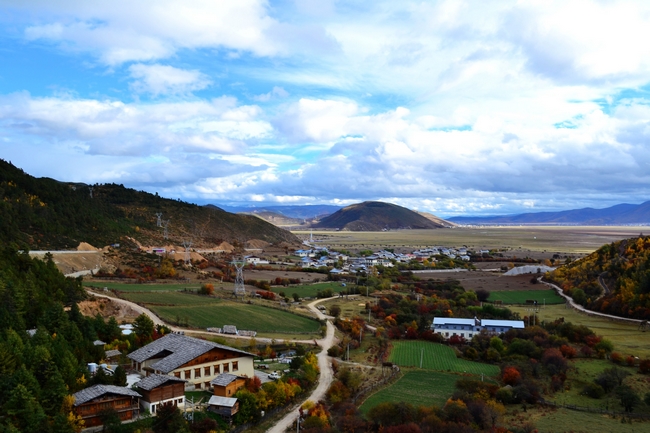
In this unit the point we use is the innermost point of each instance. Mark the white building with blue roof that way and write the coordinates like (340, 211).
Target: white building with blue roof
(451, 326)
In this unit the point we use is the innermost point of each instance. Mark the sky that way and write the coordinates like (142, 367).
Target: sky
(451, 107)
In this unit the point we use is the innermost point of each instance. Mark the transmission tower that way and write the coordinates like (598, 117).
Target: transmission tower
(187, 245)
(91, 191)
(165, 228)
(240, 290)
(159, 222)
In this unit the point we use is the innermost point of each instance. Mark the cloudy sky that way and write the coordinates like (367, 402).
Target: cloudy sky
(454, 107)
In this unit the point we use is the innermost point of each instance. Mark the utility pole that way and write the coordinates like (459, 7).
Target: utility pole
(187, 245)
(91, 191)
(166, 228)
(159, 221)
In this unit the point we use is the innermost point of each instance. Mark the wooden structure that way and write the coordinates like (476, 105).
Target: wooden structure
(159, 389)
(224, 406)
(91, 402)
(197, 361)
(226, 385)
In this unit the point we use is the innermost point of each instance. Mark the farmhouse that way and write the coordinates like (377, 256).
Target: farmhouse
(159, 389)
(466, 328)
(196, 361)
(91, 402)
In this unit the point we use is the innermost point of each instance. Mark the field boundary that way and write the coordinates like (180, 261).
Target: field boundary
(364, 393)
(594, 410)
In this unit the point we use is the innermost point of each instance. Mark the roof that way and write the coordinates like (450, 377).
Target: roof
(112, 353)
(517, 324)
(181, 349)
(98, 343)
(222, 401)
(452, 321)
(95, 391)
(155, 380)
(224, 379)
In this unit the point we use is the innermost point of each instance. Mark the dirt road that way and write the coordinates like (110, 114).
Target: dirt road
(326, 373)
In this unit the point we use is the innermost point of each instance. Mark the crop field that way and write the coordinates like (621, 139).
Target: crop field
(436, 357)
(420, 388)
(170, 298)
(309, 290)
(124, 287)
(547, 297)
(243, 316)
(627, 338)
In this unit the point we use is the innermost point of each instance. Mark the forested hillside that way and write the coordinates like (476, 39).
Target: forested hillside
(47, 214)
(38, 372)
(622, 268)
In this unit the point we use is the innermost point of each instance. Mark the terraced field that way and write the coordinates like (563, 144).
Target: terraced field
(433, 356)
(123, 287)
(309, 290)
(547, 297)
(421, 388)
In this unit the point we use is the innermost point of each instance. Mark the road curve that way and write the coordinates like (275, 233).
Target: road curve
(326, 373)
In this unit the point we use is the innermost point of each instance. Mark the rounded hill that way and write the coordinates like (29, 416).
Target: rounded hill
(376, 216)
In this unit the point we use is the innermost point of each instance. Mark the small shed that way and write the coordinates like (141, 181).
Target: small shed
(224, 406)
(227, 384)
(112, 354)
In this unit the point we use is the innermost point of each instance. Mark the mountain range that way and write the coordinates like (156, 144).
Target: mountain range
(621, 214)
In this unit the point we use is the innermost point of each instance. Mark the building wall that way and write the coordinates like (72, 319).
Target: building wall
(126, 407)
(230, 389)
(171, 393)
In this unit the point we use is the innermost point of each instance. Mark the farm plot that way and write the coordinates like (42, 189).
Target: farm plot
(170, 298)
(548, 297)
(243, 316)
(420, 388)
(436, 357)
(309, 290)
(124, 287)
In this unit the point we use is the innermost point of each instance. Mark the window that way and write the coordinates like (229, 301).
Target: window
(226, 368)
(179, 401)
(197, 372)
(446, 334)
(177, 374)
(235, 365)
(206, 371)
(206, 385)
(153, 408)
(188, 374)
(197, 386)
(217, 370)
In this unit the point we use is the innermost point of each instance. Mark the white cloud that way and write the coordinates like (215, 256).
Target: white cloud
(163, 79)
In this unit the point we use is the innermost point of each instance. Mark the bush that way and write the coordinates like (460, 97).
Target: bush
(593, 390)
(616, 358)
(644, 366)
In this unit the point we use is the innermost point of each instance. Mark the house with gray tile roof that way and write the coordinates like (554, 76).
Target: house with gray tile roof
(90, 402)
(159, 389)
(195, 360)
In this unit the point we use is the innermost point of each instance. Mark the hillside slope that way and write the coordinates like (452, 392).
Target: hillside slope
(620, 214)
(621, 268)
(47, 214)
(375, 216)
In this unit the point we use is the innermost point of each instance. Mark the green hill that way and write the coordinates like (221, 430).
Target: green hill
(42, 213)
(376, 216)
(615, 279)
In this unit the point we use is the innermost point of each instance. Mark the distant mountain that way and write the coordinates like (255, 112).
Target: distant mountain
(48, 214)
(436, 219)
(302, 212)
(277, 219)
(621, 214)
(375, 216)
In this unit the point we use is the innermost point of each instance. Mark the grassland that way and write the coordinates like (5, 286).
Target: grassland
(123, 287)
(627, 338)
(169, 298)
(436, 357)
(547, 297)
(309, 290)
(526, 238)
(419, 387)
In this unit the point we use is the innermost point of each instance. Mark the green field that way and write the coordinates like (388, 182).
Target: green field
(243, 316)
(421, 388)
(170, 298)
(548, 297)
(123, 287)
(436, 357)
(309, 290)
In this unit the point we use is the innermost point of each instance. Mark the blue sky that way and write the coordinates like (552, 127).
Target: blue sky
(453, 107)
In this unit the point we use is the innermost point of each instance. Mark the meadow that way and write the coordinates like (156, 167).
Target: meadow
(169, 298)
(627, 338)
(418, 387)
(543, 297)
(434, 356)
(569, 239)
(149, 287)
(309, 290)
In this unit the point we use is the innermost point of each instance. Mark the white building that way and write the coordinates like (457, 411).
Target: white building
(467, 328)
